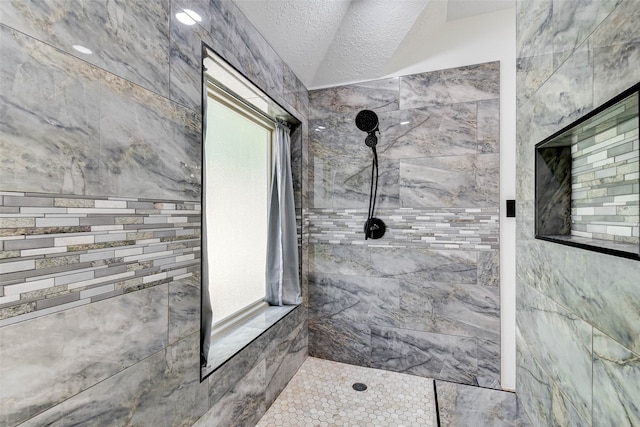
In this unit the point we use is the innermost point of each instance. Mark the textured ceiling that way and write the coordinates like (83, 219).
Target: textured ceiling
(333, 42)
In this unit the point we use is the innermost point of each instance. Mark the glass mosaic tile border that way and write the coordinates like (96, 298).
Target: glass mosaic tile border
(58, 252)
(436, 228)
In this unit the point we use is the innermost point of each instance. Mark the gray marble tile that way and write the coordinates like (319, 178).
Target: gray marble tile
(340, 341)
(184, 307)
(566, 95)
(452, 309)
(531, 73)
(235, 38)
(553, 191)
(616, 378)
(574, 21)
(295, 93)
(489, 268)
(185, 55)
(489, 126)
(438, 130)
(345, 183)
(446, 357)
(597, 287)
(162, 390)
(335, 135)
(351, 298)
(341, 259)
(106, 28)
(50, 359)
(424, 265)
(284, 362)
(243, 405)
(542, 399)
(224, 378)
(115, 137)
(489, 364)
(463, 405)
(534, 29)
(454, 181)
(376, 95)
(454, 85)
(614, 46)
(562, 344)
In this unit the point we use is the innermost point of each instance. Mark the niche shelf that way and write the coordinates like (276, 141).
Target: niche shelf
(587, 178)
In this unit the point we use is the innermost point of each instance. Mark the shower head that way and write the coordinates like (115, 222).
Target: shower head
(371, 140)
(367, 121)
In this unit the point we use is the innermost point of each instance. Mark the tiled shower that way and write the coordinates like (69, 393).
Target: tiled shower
(424, 299)
(99, 300)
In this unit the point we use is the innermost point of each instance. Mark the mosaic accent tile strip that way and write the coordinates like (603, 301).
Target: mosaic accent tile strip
(322, 394)
(438, 228)
(59, 252)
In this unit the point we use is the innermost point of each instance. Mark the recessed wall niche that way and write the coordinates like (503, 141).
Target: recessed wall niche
(588, 180)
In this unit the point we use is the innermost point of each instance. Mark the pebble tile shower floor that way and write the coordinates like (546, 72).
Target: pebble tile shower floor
(321, 394)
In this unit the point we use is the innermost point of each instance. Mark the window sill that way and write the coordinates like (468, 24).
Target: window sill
(225, 346)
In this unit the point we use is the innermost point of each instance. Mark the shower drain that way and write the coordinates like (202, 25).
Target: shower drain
(359, 387)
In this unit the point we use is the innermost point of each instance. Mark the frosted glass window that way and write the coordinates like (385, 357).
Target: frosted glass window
(238, 152)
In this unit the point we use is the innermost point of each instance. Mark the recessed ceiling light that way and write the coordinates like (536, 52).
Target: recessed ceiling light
(82, 49)
(188, 17)
(405, 123)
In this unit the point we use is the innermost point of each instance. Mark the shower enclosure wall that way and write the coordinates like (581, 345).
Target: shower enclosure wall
(424, 299)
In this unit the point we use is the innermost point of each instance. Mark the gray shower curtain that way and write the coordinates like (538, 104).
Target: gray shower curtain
(282, 274)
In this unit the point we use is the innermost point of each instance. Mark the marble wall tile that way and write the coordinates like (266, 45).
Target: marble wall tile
(222, 380)
(295, 93)
(111, 26)
(352, 298)
(463, 405)
(114, 135)
(616, 52)
(605, 295)
(489, 364)
(542, 399)
(236, 39)
(162, 390)
(345, 183)
(566, 95)
(531, 73)
(454, 181)
(340, 259)
(616, 371)
(463, 84)
(37, 353)
(448, 308)
(534, 29)
(488, 268)
(553, 190)
(422, 265)
(244, 405)
(489, 126)
(439, 130)
(424, 354)
(340, 341)
(184, 307)
(563, 345)
(574, 21)
(377, 95)
(284, 361)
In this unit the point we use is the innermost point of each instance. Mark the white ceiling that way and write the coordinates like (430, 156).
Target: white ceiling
(334, 42)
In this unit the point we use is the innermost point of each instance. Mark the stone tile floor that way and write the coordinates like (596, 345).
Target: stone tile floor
(321, 394)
